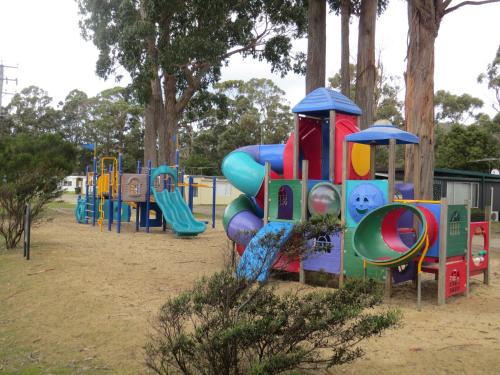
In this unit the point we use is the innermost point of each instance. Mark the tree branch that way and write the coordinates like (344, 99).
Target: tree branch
(463, 3)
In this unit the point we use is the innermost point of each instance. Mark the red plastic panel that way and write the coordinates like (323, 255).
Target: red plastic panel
(259, 198)
(284, 263)
(456, 279)
(240, 249)
(432, 224)
(390, 233)
(288, 158)
(310, 148)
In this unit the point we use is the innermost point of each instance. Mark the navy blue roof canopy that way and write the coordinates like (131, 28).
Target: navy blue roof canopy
(321, 101)
(380, 135)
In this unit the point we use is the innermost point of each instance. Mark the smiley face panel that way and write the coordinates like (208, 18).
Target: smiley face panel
(363, 199)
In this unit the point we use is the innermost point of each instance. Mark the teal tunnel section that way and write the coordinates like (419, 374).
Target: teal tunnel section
(244, 169)
(262, 251)
(175, 210)
(243, 172)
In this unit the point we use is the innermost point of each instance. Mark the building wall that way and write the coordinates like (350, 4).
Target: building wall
(69, 183)
(496, 195)
(225, 192)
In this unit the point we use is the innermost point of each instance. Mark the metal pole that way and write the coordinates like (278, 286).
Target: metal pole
(120, 172)
(94, 191)
(214, 197)
(267, 169)
(190, 193)
(86, 194)
(296, 148)
(110, 198)
(443, 227)
(138, 204)
(148, 196)
(303, 212)
(331, 151)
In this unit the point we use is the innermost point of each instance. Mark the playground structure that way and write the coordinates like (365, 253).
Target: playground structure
(329, 168)
(155, 193)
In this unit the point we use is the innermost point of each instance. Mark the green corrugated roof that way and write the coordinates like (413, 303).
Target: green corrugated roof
(460, 172)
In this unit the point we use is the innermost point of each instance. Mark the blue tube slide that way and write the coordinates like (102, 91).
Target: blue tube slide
(266, 153)
(244, 167)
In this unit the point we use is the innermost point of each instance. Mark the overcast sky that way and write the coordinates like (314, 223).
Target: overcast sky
(43, 39)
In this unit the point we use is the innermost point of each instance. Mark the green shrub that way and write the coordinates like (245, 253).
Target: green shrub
(225, 325)
(30, 169)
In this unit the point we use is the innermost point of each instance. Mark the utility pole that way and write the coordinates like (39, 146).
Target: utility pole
(6, 79)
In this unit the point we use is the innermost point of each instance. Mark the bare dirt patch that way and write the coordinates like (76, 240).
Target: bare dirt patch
(83, 304)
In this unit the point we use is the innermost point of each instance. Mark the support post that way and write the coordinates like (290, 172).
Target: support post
(392, 168)
(416, 178)
(419, 290)
(331, 150)
(148, 195)
(138, 205)
(303, 212)
(214, 197)
(296, 137)
(119, 210)
(373, 149)
(486, 274)
(181, 179)
(345, 163)
(266, 191)
(468, 249)
(94, 191)
(86, 194)
(388, 282)
(110, 198)
(443, 231)
(190, 193)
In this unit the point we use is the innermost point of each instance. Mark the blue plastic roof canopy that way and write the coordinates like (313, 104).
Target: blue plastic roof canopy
(381, 134)
(321, 101)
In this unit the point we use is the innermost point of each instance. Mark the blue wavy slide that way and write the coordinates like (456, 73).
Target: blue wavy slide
(259, 256)
(175, 210)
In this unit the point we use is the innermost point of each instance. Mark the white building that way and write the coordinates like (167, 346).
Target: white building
(71, 182)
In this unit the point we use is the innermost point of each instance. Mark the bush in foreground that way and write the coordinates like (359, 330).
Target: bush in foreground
(225, 325)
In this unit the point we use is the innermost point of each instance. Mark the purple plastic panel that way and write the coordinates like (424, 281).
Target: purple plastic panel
(408, 238)
(243, 227)
(325, 261)
(405, 191)
(285, 203)
(404, 273)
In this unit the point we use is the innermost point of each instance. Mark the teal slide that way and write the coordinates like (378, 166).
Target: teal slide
(175, 210)
(260, 253)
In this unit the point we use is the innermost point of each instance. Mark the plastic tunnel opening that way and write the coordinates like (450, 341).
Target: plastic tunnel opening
(382, 239)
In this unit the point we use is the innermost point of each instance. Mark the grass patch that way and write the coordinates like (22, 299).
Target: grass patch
(60, 204)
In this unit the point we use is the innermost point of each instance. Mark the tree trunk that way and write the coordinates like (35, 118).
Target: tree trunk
(153, 113)
(168, 130)
(316, 45)
(345, 79)
(366, 69)
(419, 99)
(153, 123)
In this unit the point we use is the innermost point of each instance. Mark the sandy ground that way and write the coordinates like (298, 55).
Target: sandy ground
(83, 305)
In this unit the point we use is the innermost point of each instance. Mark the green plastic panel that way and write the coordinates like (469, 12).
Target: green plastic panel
(353, 263)
(456, 238)
(284, 202)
